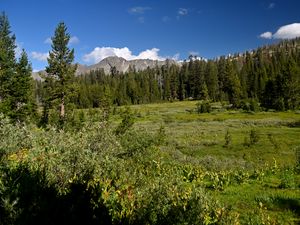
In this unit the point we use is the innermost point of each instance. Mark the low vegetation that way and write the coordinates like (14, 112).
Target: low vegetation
(189, 169)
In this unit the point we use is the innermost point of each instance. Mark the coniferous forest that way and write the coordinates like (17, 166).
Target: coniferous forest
(269, 76)
(195, 142)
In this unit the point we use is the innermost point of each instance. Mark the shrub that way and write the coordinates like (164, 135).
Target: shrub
(254, 137)
(287, 179)
(203, 107)
(250, 105)
(297, 154)
(246, 142)
(228, 139)
(127, 121)
(96, 177)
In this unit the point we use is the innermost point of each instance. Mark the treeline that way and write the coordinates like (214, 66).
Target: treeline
(269, 76)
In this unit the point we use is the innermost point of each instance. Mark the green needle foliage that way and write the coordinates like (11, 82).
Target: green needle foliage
(16, 84)
(60, 74)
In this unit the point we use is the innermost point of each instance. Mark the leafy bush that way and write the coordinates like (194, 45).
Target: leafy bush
(287, 179)
(96, 177)
(297, 154)
(204, 107)
(250, 105)
(228, 139)
(127, 121)
(254, 137)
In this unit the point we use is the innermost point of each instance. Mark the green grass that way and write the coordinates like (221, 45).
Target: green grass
(202, 135)
(199, 139)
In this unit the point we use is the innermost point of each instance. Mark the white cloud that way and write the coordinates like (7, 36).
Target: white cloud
(285, 32)
(73, 40)
(288, 31)
(138, 10)
(40, 56)
(266, 35)
(100, 53)
(182, 11)
(150, 54)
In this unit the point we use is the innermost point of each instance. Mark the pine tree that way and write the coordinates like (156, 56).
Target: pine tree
(22, 103)
(212, 80)
(60, 71)
(16, 90)
(233, 85)
(182, 82)
(289, 84)
(7, 61)
(222, 78)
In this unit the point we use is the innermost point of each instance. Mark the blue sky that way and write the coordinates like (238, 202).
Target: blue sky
(155, 29)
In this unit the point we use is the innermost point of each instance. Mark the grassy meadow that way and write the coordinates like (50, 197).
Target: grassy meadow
(199, 139)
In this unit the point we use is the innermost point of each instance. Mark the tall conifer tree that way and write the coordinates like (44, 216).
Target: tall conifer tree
(16, 91)
(7, 61)
(60, 71)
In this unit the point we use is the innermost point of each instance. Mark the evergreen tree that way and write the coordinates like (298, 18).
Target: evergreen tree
(60, 71)
(22, 103)
(222, 78)
(290, 84)
(182, 89)
(7, 62)
(166, 83)
(233, 86)
(212, 80)
(16, 90)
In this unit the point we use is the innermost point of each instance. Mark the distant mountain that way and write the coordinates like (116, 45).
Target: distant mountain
(122, 65)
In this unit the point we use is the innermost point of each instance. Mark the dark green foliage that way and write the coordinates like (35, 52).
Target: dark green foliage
(232, 85)
(126, 123)
(254, 137)
(287, 179)
(35, 200)
(250, 105)
(212, 80)
(228, 139)
(203, 107)
(267, 78)
(22, 100)
(94, 177)
(105, 103)
(16, 90)
(297, 156)
(60, 74)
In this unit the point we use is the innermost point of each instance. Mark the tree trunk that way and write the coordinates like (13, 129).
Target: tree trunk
(62, 107)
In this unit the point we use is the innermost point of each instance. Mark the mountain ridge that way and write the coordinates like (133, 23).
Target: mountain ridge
(122, 65)
(118, 63)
